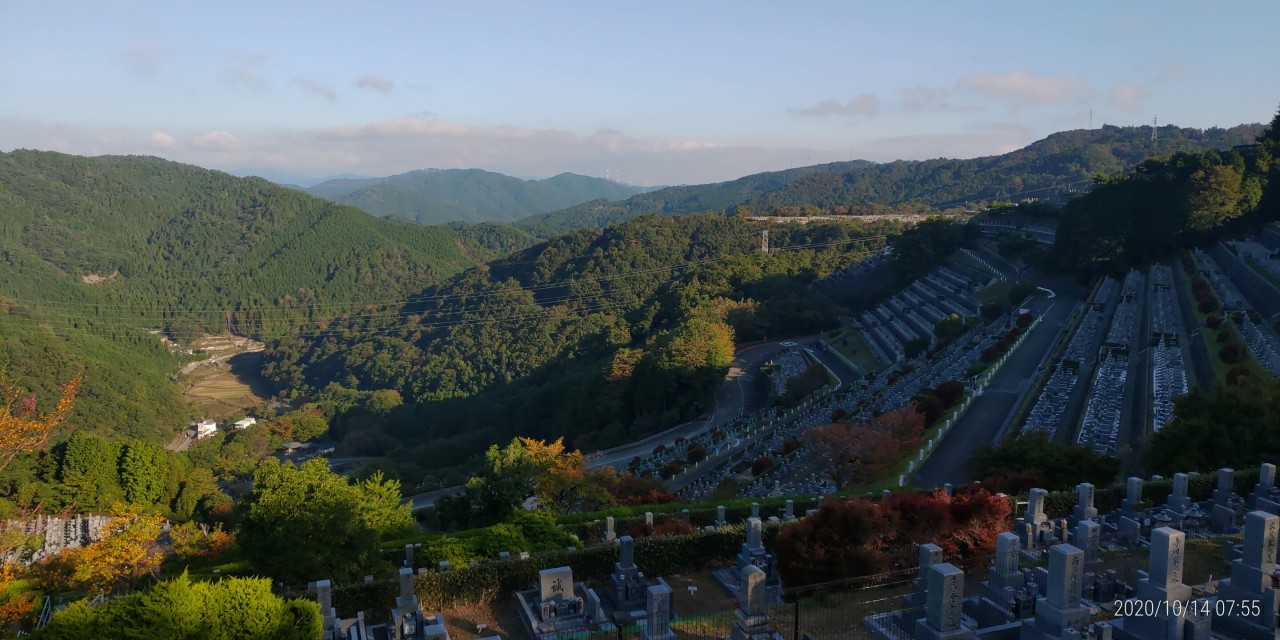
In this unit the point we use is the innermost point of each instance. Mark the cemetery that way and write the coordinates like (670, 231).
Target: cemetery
(1187, 557)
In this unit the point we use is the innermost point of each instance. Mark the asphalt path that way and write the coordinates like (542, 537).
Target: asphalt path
(980, 426)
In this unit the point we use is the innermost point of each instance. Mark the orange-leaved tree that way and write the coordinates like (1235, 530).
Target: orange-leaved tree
(128, 551)
(23, 428)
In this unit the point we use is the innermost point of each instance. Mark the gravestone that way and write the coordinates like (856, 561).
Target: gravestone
(408, 555)
(751, 620)
(609, 535)
(1004, 583)
(755, 509)
(324, 596)
(943, 605)
(1157, 618)
(1248, 594)
(657, 607)
(648, 518)
(1084, 509)
(626, 581)
(913, 603)
(1224, 512)
(789, 510)
(559, 606)
(1088, 538)
(1033, 521)
(1178, 502)
(720, 521)
(1061, 611)
(1132, 496)
(1265, 488)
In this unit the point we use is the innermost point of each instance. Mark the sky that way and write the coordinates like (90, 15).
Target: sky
(649, 93)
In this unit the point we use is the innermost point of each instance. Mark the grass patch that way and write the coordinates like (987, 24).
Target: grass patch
(850, 344)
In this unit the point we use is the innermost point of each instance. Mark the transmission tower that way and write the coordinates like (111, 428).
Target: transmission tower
(764, 241)
(1154, 129)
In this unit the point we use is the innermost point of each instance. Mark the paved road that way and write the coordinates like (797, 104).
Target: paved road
(980, 425)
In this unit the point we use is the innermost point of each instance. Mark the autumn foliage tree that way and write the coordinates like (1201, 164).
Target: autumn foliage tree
(128, 553)
(859, 537)
(858, 453)
(23, 429)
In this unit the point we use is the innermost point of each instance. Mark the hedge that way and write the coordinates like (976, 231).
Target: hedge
(656, 556)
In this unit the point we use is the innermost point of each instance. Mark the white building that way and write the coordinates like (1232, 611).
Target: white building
(240, 425)
(206, 428)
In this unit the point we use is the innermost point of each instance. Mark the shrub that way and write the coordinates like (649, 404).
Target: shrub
(1208, 306)
(696, 454)
(670, 469)
(761, 466)
(1213, 322)
(1231, 353)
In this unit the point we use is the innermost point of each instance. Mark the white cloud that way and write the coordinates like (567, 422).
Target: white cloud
(316, 88)
(863, 104)
(1126, 96)
(217, 141)
(162, 139)
(240, 72)
(1025, 88)
(375, 83)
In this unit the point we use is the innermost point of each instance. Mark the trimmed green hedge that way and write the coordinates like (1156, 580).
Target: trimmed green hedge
(656, 556)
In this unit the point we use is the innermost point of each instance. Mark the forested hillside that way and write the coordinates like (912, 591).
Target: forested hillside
(435, 196)
(1045, 169)
(599, 335)
(96, 251)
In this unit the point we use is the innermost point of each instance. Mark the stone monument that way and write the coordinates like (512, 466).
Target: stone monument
(1062, 609)
(1248, 595)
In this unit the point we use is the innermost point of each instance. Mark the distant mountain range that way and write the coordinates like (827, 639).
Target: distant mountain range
(290, 179)
(1049, 169)
(434, 196)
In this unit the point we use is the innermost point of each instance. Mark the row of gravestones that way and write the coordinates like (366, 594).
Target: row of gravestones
(1065, 600)
(1131, 524)
(58, 533)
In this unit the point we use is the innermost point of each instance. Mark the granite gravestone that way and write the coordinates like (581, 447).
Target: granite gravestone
(1248, 595)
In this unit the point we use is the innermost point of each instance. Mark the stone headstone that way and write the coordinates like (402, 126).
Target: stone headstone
(609, 535)
(407, 595)
(1247, 594)
(1168, 551)
(753, 532)
(408, 555)
(555, 584)
(1132, 496)
(720, 521)
(657, 607)
(1084, 509)
(524, 555)
(930, 554)
(648, 518)
(943, 612)
(324, 595)
(755, 509)
(504, 555)
(626, 551)
(1224, 512)
(1088, 538)
(1178, 502)
(1066, 575)
(1265, 487)
(789, 510)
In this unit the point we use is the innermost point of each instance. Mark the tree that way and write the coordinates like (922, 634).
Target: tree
(1216, 196)
(128, 552)
(23, 428)
(1062, 466)
(302, 425)
(181, 609)
(305, 522)
(1193, 441)
(89, 471)
(143, 467)
(526, 467)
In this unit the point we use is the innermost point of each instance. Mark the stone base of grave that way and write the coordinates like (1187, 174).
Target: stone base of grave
(1245, 628)
(752, 628)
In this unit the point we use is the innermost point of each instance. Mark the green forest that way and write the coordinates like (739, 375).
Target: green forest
(97, 252)
(1055, 167)
(436, 196)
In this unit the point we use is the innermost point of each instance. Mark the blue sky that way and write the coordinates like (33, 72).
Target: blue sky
(653, 92)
